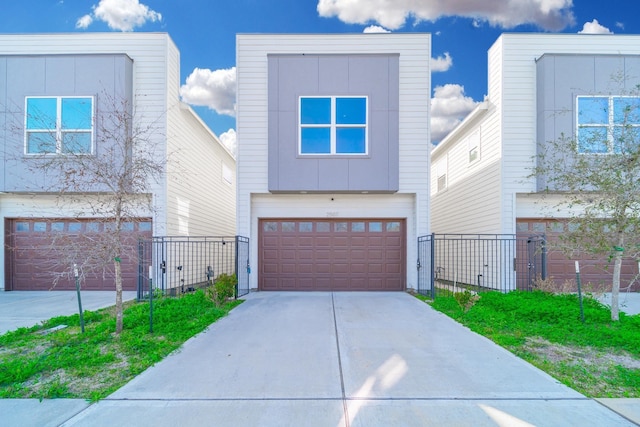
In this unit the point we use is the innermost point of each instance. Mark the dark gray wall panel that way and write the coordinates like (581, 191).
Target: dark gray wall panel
(563, 77)
(109, 78)
(374, 76)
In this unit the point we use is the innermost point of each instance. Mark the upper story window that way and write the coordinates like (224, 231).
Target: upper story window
(333, 125)
(606, 124)
(59, 125)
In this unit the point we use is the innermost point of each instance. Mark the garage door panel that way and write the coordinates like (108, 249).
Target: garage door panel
(323, 268)
(33, 258)
(339, 254)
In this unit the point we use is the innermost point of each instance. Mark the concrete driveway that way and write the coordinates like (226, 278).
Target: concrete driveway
(29, 308)
(339, 359)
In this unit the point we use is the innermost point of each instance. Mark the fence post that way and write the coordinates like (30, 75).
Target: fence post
(432, 269)
(237, 255)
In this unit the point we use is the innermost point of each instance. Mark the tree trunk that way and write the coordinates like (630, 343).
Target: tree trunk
(118, 271)
(615, 288)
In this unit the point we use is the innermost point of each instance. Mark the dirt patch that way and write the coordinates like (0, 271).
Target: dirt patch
(557, 353)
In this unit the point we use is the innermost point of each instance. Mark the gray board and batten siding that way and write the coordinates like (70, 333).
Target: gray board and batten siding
(375, 76)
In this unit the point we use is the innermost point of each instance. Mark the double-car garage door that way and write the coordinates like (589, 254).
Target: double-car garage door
(33, 256)
(332, 254)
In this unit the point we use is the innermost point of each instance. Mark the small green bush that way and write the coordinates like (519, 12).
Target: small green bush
(223, 289)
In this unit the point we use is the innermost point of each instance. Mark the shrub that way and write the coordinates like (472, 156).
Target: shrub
(224, 288)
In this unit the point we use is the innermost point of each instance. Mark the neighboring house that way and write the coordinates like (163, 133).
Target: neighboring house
(333, 159)
(80, 73)
(538, 85)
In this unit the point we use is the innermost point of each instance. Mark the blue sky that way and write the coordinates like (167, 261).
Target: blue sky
(205, 30)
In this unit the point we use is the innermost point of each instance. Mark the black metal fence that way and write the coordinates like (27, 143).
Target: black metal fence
(174, 265)
(479, 262)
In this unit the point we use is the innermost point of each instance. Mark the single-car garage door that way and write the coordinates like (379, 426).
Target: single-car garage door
(331, 254)
(33, 257)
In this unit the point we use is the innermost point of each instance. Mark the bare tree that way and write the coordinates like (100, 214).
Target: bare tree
(596, 174)
(112, 182)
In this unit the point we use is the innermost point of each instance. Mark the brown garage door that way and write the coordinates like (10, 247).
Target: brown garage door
(33, 258)
(332, 255)
(562, 268)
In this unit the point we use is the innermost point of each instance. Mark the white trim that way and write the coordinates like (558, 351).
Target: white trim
(333, 126)
(59, 132)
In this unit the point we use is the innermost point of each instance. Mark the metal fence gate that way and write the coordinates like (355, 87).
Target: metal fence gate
(479, 262)
(174, 265)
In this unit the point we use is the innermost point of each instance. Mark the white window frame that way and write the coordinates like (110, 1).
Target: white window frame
(58, 130)
(609, 126)
(441, 175)
(473, 147)
(334, 126)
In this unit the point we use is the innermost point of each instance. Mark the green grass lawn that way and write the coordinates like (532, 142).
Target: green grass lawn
(598, 358)
(91, 365)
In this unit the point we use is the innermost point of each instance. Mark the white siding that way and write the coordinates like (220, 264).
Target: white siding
(471, 201)
(201, 201)
(252, 112)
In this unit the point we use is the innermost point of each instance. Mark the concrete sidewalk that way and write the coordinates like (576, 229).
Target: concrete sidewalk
(335, 359)
(29, 308)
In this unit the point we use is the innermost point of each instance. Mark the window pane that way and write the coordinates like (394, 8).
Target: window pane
(22, 226)
(593, 110)
(539, 227)
(75, 227)
(57, 226)
(306, 227)
(93, 227)
(341, 226)
(315, 111)
(41, 113)
(625, 139)
(393, 226)
(323, 227)
(375, 227)
(556, 227)
(76, 113)
(270, 226)
(315, 141)
(626, 110)
(144, 226)
(522, 226)
(127, 226)
(350, 141)
(288, 226)
(40, 143)
(357, 226)
(592, 140)
(76, 142)
(473, 154)
(351, 111)
(40, 226)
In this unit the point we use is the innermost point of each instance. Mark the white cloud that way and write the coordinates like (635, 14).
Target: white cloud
(594, 27)
(123, 15)
(213, 89)
(84, 21)
(449, 106)
(228, 139)
(375, 29)
(441, 63)
(546, 14)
